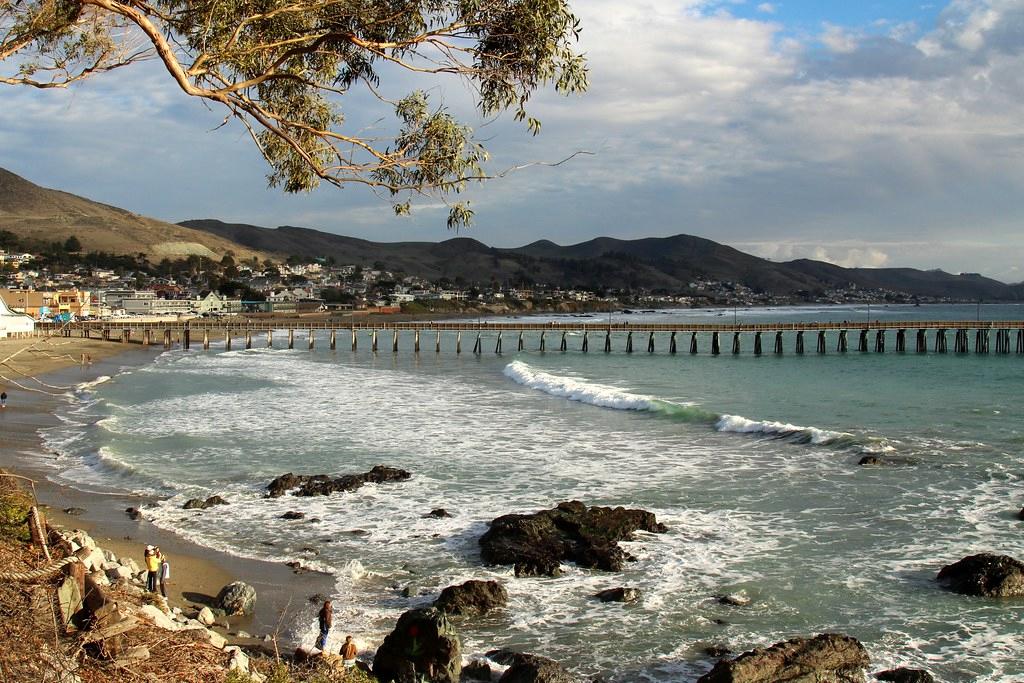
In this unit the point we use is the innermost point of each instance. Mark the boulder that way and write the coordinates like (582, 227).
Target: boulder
(117, 572)
(424, 645)
(870, 461)
(156, 616)
(74, 512)
(292, 514)
(733, 600)
(131, 564)
(205, 617)
(323, 485)
(826, 658)
(1020, 515)
(92, 558)
(618, 595)
(477, 670)
(438, 513)
(133, 513)
(236, 598)
(198, 504)
(472, 597)
(526, 668)
(904, 675)
(537, 544)
(985, 574)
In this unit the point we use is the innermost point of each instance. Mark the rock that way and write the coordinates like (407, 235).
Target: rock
(100, 578)
(734, 600)
(998, 576)
(197, 504)
(92, 558)
(156, 616)
(1020, 515)
(525, 668)
(318, 598)
(109, 555)
(537, 544)
(423, 644)
(236, 598)
(83, 539)
(826, 658)
(438, 513)
(117, 572)
(133, 513)
(205, 635)
(242, 634)
(74, 512)
(619, 595)
(323, 485)
(472, 597)
(69, 598)
(205, 617)
(292, 514)
(870, 460)
(717, 651)
(131, 564)
(904, 675)
(477, 670)
(108, 565)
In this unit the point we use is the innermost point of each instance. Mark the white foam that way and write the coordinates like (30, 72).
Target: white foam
(575, 389)
(85, 386)
(743, 425)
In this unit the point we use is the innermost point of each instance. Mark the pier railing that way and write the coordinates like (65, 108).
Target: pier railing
(848, 335)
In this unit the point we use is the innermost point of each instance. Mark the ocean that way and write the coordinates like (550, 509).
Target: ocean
(751, 462)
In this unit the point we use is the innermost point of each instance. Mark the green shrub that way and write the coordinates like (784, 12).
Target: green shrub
(14, 512)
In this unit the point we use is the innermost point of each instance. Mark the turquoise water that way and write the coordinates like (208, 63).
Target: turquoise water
(750, 461)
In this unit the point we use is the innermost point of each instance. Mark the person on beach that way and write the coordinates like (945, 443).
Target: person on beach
(165, 573)
(348, 652)
(152, 561)
(3, 399)
(326, 621)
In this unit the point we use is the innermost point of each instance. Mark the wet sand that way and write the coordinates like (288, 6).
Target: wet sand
(197, 573)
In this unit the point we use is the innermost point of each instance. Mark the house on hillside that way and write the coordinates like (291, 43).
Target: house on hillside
(14, 324)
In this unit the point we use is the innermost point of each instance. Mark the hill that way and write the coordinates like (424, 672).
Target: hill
(38, 213)
(669, 263)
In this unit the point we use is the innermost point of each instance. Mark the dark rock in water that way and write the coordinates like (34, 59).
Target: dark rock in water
(717, 651)
(438, 513)
(826, 658)
(197, 504)
(477, 670)
(133, 513)
(1020, 515)
(903, 675)
(733, 600)
(74, 512)
(292, 514)
(997, 576)
(310, 550)
(525, 668)
(871, 460)
(424, 645)
(537, 544)
(236, 598)
(318, 598)
(472, 597)
(619, 595)
(323, 485)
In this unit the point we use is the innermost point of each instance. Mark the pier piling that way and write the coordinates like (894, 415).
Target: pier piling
(693, 343)
(311, 341)
(862, 342)
(901, 341)
(373, 341)
(940, 341)
(477, 344)
(671, 343)
(394, 342)
(778, 343)
(206, 340)
(608, 341)
(227, 340)
(564, 346)
(520, 340)
(584, 344)
(821, 341)
(716, 344)
(922, 342)
(270, 339)
(842, 344)
(757, 343)
(1020, 341)
(437, 342)
(416, 342)
(497, 344)
(800, 341)
(186, 338)
(880, 341)
(355, 340)
(334, 339)
(542, 341)
(629, 342)
(458, 342)
(650, 343)
(291, 338)
(735, 343)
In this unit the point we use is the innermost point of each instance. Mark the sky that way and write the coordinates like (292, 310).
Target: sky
(863, 133)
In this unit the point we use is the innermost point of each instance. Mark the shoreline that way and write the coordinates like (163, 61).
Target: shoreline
(197, 572)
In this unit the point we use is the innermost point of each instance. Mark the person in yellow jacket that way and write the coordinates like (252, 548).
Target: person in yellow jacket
(152, 558)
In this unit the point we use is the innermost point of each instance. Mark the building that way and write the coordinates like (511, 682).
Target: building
(214, 303)
(14, 324)
(30, 302)
(150, 305)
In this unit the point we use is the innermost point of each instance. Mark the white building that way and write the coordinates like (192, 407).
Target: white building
(12, 323)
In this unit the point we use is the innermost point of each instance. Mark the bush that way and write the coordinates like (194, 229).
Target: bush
(14, 512)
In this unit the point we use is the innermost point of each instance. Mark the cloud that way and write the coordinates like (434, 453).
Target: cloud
(766, 8)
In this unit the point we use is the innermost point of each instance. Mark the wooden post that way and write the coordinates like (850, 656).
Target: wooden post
(270, 339)
(437, 342)
(608, 341)
(206, 340)
(520, 340)
(167, 339)
(291, 338)
(735, 343)
(394, 342)
(629, 342)
(880, 341)
(822, 342)
(147, 337)
(841, 345)
(311, 339)
(716, 347)
(922, 342)
(373, 341)
(458, 342)
(940, 341)
(186, 337)
(693, 343)
(416, 342)
(542, 332)
(334, 339)
(800, 341)
(248, 339)
(672, 343)
(584, 345)
(862, 342)
(563, 346)
(778, 343)
(355, 339)
(650, 343)
(757, 343)
(227, 340)
(477, 344)
(497, 344)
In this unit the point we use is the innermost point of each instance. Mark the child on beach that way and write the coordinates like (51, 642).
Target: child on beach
(165, 573)
(152, 562)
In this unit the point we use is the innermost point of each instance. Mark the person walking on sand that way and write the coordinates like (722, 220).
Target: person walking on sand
(152, 561)
(348, 652)
(165, 573)
(326, 621)
(3, 399)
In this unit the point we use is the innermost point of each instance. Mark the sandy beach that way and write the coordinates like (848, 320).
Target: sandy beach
(36, 374)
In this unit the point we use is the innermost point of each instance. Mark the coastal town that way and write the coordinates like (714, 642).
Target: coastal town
(67, 284)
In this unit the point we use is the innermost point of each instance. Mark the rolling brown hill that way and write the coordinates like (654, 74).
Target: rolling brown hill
(35, 212)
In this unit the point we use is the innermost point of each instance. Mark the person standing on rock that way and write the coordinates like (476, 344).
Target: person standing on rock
(152, 561)
(326, 621)
(348, 652)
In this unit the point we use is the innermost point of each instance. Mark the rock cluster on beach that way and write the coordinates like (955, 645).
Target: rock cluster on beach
(537, 544)
(198, 504)
(472, 597)
(324, 485)
(527, 668)
(92, 596)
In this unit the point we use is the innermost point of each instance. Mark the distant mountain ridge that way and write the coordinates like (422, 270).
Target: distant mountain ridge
(669, 263)
(35, 212)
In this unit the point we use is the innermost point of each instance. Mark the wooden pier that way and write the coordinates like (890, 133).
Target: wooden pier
(959, 337)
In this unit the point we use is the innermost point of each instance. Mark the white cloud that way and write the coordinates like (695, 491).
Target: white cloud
(767, 8)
